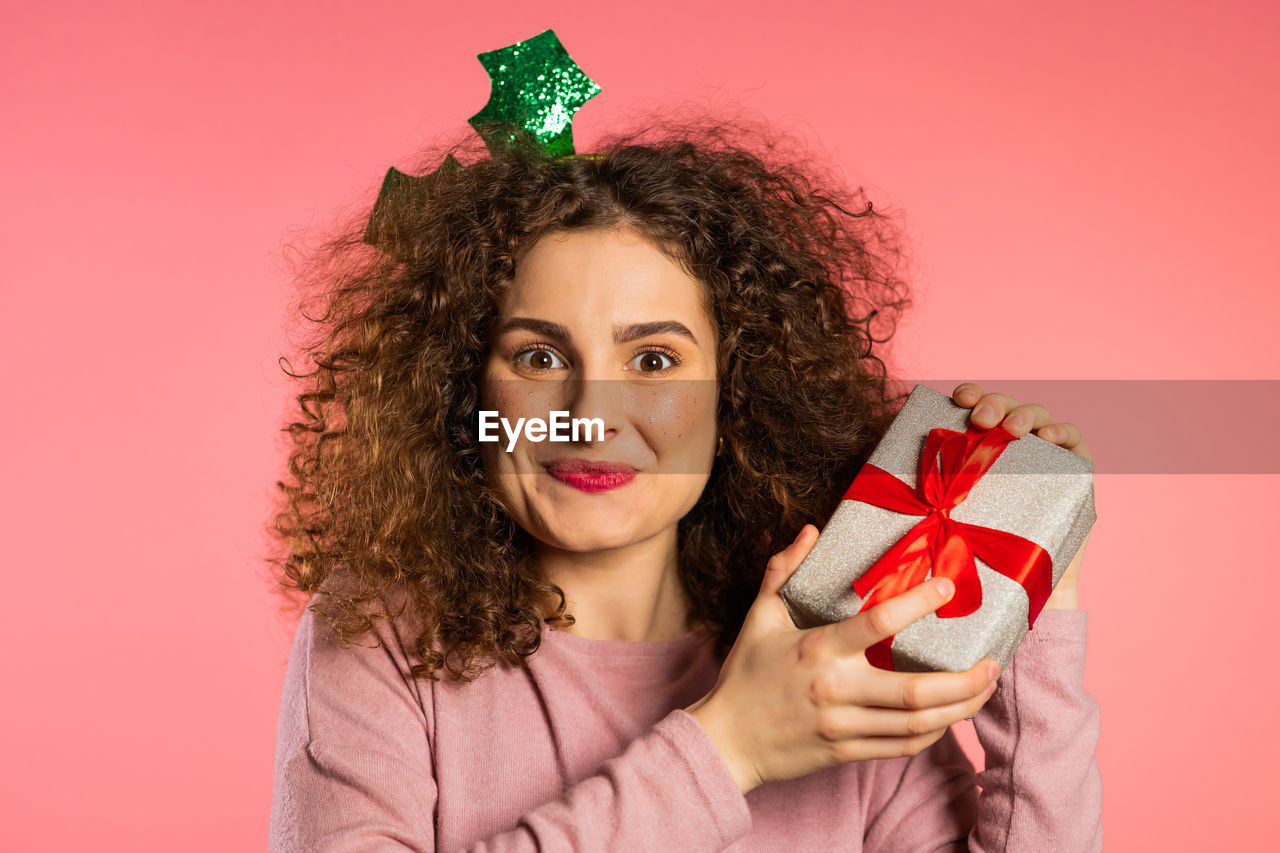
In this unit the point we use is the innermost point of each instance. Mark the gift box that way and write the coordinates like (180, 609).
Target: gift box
(1001, 516)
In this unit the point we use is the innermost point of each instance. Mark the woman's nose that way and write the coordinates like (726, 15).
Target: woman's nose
(596, 397)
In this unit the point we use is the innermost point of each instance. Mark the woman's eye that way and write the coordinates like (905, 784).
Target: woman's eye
(539, 359)
(653, 362)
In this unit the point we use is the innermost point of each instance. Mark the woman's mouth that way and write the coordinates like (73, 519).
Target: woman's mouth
(588, 475)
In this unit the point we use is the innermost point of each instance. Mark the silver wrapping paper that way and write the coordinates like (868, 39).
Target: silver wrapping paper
(1035, 489)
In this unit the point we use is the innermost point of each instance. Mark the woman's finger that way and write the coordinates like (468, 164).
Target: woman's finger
(851, 637)
(867, 748)
(991, 409)
(784, 563)
(858, 683)
(1067, 435)
(841, 722)
(1025, 418)
(967, 393)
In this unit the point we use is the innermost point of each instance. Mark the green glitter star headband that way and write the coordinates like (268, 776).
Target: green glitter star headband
(535, 86)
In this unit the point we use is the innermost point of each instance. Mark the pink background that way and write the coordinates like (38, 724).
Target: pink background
(1090, 190)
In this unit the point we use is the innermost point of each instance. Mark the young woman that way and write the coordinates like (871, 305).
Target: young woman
(579, 645)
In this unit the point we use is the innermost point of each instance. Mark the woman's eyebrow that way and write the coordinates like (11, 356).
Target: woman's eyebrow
(546, 328)
(621, 334)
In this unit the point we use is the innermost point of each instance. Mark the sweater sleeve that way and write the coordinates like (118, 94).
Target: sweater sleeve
(354, 771)
(1041, 789)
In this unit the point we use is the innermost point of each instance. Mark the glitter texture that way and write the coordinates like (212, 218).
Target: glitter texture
(536, 86)
(1035, 489)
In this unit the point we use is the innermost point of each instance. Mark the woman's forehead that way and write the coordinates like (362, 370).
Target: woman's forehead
(614, 274)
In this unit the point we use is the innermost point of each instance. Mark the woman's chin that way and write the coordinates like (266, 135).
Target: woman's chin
(596, 528)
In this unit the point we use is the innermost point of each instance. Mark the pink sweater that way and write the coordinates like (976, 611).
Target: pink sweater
(591, 750)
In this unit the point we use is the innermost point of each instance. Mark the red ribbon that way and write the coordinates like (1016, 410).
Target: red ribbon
(951, 464)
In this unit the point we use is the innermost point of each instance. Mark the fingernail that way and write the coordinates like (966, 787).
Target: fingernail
(993, 669)
(984, 413)
(944, 586)
(1013, 422)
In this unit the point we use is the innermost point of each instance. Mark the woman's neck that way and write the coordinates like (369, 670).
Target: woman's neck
(632, 593)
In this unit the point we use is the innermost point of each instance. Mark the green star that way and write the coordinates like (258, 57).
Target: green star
(535, 85)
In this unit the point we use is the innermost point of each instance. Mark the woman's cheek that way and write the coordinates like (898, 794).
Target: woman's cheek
(514, 399)
(501, 396)
(519, 398)
(681, 419)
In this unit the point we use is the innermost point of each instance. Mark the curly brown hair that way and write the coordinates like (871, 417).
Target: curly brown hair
(386, 495)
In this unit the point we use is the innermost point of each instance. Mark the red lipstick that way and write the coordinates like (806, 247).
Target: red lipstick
(588, 475)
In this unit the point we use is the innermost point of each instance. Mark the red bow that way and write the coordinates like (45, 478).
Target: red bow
(941, 543)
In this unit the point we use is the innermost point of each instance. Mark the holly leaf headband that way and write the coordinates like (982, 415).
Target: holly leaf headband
(535, 86)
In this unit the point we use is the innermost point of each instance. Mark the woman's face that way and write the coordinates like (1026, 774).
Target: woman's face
(600, 324)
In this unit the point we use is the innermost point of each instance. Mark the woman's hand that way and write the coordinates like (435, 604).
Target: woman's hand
(789, 702)
(990, 410)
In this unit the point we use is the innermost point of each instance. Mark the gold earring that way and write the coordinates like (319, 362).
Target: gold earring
(720, 446)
